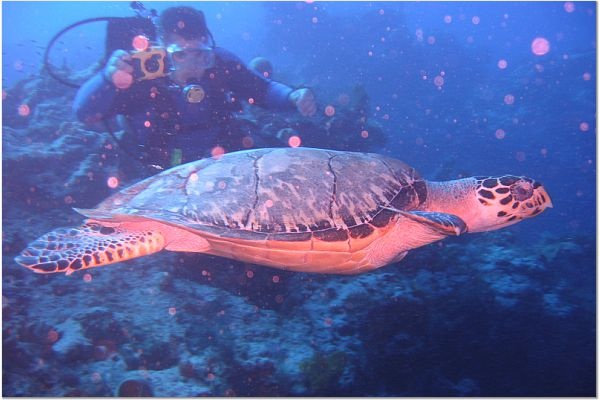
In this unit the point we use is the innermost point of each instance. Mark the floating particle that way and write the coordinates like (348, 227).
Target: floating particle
(217, 151)
(250, 274)
(315, 20)
(122, 79)
(419, 34)
(112, 182)
(540, 46)
(475, 20)
(329, 111)
(569, 6)
(251, 100)
(23, 110)
(344, 99)
(587, 76)
(140, 42)
(328, 322)
(68, 199)
(448, 19)
(96, 377)
(544, 152)
(269, 203)
(172, 311)
(584, 127)
(181, 24)
(509, 99)
(364, 134)
(147, 124)
(279, 299)
(247, 142)
(500, 134)
(438, 81)
(275, 279)
(502, 64)
(87, 278)
(294, 141)
(52, 336)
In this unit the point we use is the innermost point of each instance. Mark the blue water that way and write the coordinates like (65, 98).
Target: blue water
(458, 91)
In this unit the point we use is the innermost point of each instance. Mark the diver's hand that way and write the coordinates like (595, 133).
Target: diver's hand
(304, 99)
(118, 69)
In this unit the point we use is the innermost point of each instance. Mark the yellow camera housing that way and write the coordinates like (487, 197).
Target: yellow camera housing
(150, 63)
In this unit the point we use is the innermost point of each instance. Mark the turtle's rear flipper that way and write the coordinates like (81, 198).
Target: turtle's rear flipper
(90, 245)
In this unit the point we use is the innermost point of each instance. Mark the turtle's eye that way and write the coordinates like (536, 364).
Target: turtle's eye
(522, 190)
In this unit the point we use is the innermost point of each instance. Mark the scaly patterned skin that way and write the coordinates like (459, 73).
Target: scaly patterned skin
(90, 245)
(488, 203)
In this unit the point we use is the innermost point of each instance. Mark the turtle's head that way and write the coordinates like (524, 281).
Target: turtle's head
(506, 200)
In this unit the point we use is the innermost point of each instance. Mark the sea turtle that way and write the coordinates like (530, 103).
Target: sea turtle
(300, 209)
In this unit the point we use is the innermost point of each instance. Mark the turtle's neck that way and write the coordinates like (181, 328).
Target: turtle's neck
(453, 197)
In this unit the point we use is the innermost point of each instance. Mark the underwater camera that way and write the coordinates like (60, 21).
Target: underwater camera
(150, 63)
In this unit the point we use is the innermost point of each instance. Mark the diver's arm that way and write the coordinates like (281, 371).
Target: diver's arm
(250, 85)
(95, 99)
(277, 97)
(281, 97)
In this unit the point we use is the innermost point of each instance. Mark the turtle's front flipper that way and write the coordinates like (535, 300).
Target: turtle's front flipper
(412, 229)
(90, 245)
(445, 224)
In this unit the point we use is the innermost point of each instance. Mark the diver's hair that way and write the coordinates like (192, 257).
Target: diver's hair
(183, 21)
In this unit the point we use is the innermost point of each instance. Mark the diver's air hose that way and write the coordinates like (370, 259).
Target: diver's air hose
(49, 67)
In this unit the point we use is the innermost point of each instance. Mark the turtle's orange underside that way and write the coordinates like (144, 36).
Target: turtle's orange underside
(343, 257)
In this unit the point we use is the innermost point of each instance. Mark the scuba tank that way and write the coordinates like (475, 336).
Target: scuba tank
(119, 34)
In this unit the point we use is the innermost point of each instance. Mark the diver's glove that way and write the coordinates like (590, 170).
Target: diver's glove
(304, 100)
(118, 69)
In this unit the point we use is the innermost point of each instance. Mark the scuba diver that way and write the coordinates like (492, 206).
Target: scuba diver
(184, 104)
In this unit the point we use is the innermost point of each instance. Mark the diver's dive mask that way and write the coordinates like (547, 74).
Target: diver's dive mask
(201, 56)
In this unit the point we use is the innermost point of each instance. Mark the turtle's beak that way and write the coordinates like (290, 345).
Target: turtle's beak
(542, 196)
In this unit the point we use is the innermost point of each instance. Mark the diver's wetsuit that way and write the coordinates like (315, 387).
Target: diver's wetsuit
(161, 120)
